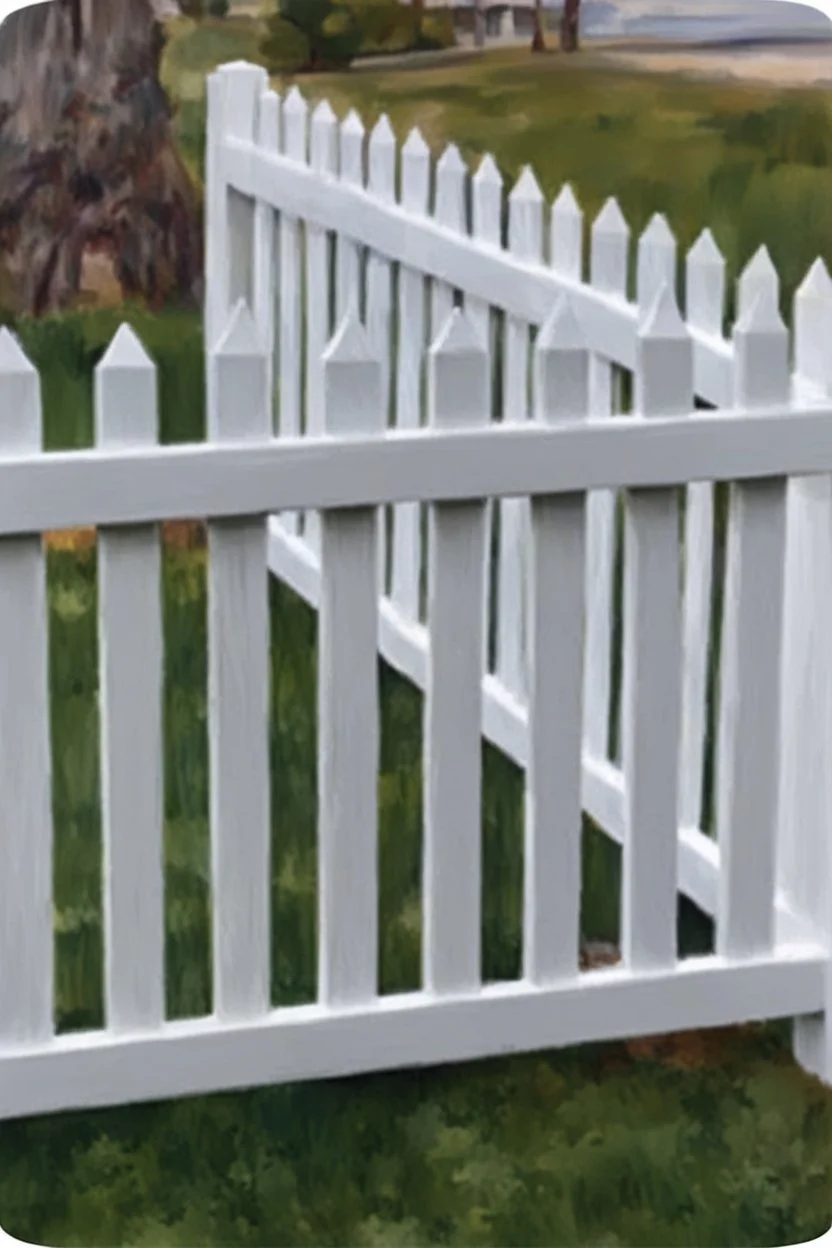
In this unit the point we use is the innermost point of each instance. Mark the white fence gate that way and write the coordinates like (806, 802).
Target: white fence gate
(307, 499)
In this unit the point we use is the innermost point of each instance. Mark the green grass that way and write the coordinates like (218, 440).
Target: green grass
(708, 1143)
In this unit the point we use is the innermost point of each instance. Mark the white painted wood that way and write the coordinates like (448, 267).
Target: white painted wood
(610, 243)
(652, 661)
(552, 857)
(323, 158)
(238, 699)
(407, 537)
(656, 262)
(525, 292)
(265, 275)
(759, 277)
(351, 141)
(705, 293)
(348, 708)
(505, 724)
(748, 768)
(525, 226)
(804, 858)
(486, 226)
(452, 865)
(244, 86)
(566, 235)
(130, 682)
(402, 1030)
(449, 212)
(76, 488)
(26, 967)
(294, 145)
(381, 182)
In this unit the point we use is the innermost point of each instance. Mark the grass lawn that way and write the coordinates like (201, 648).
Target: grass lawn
(700, 1140)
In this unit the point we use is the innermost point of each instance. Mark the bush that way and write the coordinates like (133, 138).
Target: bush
(437, 31)
(217, 8)
(325, 36)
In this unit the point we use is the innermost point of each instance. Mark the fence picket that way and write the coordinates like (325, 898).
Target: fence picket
(27, 964)
(448, 210)
(407, 537)
(608, 272)
(525, 242)
(348, 697)
(452, 870)
(351, 134)
(266, 242)
(552, 858)
(652, 659)
(705, 290)
(656, 262)
(382, 184)
(566, 235)
(323, 158)
(238, 686)
(130, 682)
(294, 143)
(486, 226)
(748, 771)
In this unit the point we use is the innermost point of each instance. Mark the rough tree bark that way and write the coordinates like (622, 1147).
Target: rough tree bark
(90, 179)
(569, 25)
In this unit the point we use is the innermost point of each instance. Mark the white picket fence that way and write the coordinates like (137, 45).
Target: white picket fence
(309, 505)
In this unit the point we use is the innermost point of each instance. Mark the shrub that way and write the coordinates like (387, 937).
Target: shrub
(217, 8)
(437, 31)
(325, 36)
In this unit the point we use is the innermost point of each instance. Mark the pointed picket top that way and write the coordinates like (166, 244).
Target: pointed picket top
(458, 336)
(658, 232)
(126, 351)
(352, 124)
(382, 134)
(450, 162)
(763, 315)
(323, 114)
(526, 189)
(663, 320)
(350, 344)
(415, 147)
(566, 204)
(240, 338)
(611, 221)
(817, 284)
(487, 173)
(704, 253)
(561, 330)
(295, 103)
(759, 274)
(13, 359)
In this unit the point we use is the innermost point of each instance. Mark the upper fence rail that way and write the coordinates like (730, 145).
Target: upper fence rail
(272, 151)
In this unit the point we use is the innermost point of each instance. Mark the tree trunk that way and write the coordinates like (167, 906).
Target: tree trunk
(479, 24)
(569, 26)
(91, 182)
(538, 39)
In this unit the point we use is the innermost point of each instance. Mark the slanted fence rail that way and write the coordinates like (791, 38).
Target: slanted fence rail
(375, 355)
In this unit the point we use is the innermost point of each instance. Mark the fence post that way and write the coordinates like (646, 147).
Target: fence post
(131, 667)
(348, 715)
(557, 588)
(804, 861)
(26, 967)
(238, 697)
(452, 861)
(651, 705)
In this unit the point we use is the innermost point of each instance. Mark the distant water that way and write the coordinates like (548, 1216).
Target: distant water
(703, 22)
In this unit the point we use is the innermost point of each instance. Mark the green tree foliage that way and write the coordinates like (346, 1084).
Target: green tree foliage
(217, 8)
(312, 35)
